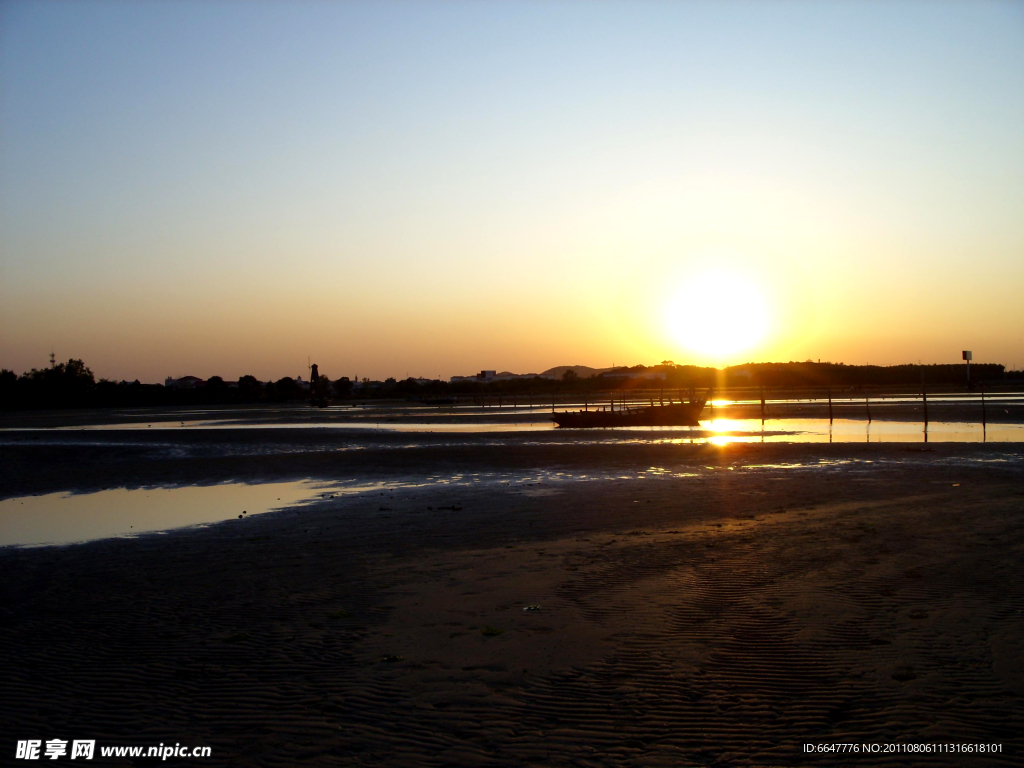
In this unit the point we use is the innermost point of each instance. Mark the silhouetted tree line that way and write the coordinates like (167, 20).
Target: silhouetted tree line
(72, 384)
(773, 375)
(811, 374)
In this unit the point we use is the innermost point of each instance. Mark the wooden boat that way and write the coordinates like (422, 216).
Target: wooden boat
(682, 414)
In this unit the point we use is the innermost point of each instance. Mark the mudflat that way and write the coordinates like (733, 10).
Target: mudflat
(606, 605)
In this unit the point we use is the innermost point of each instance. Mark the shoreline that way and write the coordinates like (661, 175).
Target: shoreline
(893, 407)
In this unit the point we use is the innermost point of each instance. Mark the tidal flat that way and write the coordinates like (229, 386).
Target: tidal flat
(499, 598)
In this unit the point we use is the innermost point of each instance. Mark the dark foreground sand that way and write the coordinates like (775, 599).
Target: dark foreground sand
(725, 618)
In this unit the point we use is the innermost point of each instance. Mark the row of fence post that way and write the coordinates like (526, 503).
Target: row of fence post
(624, 404)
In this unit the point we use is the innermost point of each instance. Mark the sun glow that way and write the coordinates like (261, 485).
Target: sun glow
(717, 314)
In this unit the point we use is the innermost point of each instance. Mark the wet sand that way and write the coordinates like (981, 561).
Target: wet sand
(707, 612)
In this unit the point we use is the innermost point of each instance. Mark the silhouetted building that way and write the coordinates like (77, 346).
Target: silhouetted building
(485, 377)
(185, 382)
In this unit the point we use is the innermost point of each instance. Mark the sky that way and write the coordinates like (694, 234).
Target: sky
(435, 188)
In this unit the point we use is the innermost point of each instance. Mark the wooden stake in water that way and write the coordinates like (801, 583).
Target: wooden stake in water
(830, 412)
(867, 404)
(983, 408)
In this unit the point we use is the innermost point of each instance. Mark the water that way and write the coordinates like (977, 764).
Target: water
(717, 431)
(724, 431)
(890, 423)
(62, 518)
(388, 424)
(882, 400)
(65, 518)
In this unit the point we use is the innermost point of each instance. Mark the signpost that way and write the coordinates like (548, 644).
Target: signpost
(967, 357)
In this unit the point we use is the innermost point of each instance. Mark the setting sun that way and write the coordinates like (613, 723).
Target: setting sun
(717, 314)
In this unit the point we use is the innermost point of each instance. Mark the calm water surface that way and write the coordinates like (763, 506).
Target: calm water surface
(719, 431)
(65, 518)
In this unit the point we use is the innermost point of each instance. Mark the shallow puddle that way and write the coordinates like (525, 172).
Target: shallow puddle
(65, 518)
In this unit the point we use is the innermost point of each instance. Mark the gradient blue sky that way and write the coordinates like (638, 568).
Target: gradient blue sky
(435, 188)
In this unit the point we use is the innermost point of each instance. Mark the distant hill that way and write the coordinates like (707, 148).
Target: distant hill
(583, 371)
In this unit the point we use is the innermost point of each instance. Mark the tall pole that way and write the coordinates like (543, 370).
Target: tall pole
(924, 401)
(984, 424)
(830, 411)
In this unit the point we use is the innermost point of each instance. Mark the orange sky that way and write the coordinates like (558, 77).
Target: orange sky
(434, 189)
